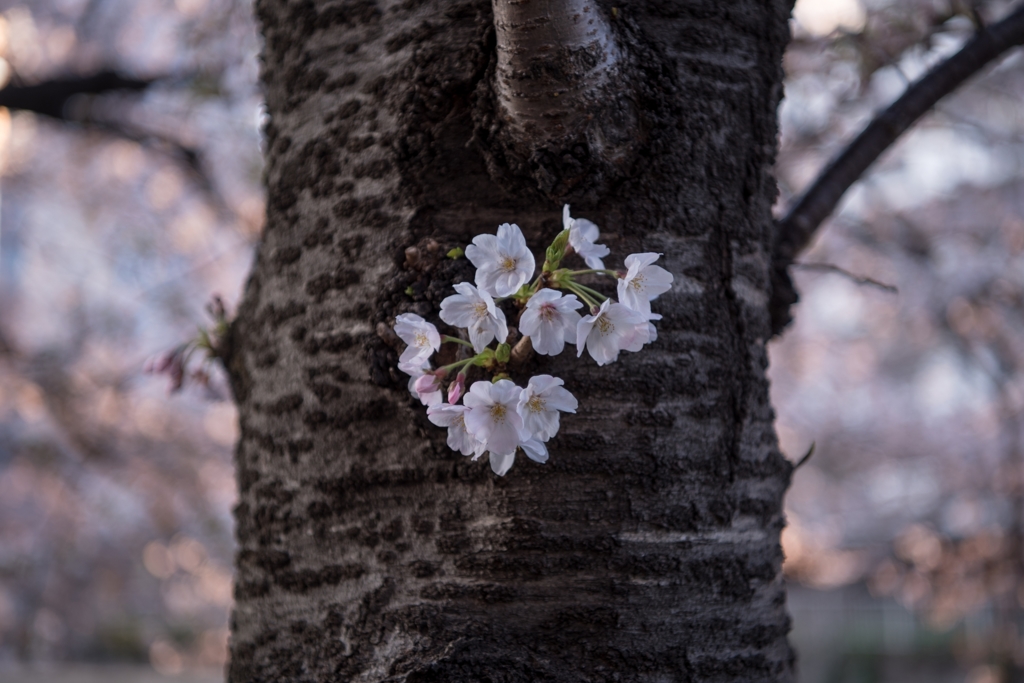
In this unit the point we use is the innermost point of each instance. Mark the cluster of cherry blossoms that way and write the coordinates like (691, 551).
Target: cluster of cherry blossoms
(498, 417)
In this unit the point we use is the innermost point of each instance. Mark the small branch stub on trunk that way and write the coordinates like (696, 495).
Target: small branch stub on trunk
(559, 88)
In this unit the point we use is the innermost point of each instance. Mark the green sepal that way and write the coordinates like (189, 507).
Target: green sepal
(503, 353)
(456, 253)
(524, 293)
(561, 278)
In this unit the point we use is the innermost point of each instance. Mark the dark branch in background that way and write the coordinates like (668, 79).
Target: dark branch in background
(51, 98)
(794, 232)
(59, 98)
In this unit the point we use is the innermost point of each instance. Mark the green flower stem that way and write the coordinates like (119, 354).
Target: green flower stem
(591, 292)
(574, 288)
(611, 273)
(458, 364)
(479, 359)
(455, 340)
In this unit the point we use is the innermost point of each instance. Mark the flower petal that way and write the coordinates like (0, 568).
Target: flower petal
(535, 450)
(502, 463)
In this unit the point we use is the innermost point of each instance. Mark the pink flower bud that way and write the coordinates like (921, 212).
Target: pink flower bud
(456, 388)
(427, 383)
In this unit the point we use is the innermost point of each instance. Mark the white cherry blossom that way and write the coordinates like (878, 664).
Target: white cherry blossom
(615, 327)
(643, 335)
(652, 332)
(422, 337)
(643, 282)
(539, 404)
(582, 237)
(503, 261)
(501, 462)
(414, 368)
(535, 450)
(474, 309)
(550, 320)
(492, 416)
(453, 417)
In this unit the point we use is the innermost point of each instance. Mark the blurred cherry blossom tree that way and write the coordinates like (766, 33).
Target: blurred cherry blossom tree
(912, 392)
(119, 221)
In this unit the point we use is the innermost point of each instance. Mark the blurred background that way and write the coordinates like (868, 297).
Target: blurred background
(125, 211)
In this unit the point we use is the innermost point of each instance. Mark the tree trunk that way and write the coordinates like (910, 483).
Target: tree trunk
(647, 548)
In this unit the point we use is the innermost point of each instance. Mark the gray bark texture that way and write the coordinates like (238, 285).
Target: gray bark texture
(647, 548)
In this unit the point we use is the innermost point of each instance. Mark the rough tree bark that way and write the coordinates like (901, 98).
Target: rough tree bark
(647, 549)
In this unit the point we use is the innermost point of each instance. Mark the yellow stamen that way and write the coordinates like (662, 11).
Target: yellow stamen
(508, 264)
(535, 404)
(605, 325)
(498, 411)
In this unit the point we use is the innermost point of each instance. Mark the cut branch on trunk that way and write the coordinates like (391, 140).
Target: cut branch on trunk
(554, 59)
(794, 232)
(561, 90)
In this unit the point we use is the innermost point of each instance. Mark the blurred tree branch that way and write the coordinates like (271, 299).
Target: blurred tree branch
(54, 98)
(794, 231)
(51, 98)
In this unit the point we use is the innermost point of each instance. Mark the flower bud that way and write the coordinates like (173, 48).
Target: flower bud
(427, 383)
(456, 388)
(556, 252)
